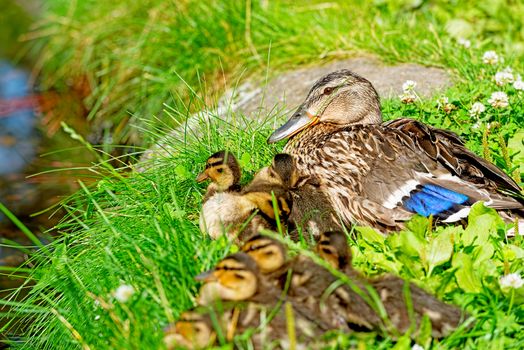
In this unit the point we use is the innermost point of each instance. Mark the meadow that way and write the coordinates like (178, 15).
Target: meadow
(145, 70)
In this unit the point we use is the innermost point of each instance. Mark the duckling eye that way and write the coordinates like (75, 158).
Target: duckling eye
(239, 276)
(328, 91)
(220, 170)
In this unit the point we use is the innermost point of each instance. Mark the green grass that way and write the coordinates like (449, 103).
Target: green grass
(129, 58)
(141, 229)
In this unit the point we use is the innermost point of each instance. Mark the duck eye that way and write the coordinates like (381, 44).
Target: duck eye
(220, 170)
(328, 91)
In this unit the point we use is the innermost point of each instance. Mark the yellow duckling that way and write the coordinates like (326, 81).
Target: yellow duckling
(225, 209)
(198, 328)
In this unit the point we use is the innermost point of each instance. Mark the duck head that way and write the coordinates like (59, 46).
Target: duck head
(333, 247)
(234, 278)
(341, 98)
(222, 169)
(268, 253)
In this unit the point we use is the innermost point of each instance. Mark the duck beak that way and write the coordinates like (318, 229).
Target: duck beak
(299, 121)
(202, 177)
(206, 276)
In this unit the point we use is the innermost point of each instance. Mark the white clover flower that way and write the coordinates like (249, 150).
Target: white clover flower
(477, 109)
(464, 42)
(123, 293)
(476, 125)
(499, 99)
(442, 101)
(408, 97)
(417, 347)
(513, 280)
(504, 77)
(518, 85)
(508, 70)
(490, 57)
(409, 85)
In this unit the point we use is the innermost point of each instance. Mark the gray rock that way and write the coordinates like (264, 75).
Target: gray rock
(289, 89)
(285, 91)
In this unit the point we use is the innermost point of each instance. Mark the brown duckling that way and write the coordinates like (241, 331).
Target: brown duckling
(236, 278)
(308, 285)
(193, 331)
(225, 208)
(311, 209)
(444, 318)
(269, 254)
(198, 328)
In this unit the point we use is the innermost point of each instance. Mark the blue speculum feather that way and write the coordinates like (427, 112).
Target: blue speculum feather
(433, 200)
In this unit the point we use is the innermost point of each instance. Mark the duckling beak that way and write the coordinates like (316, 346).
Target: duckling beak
(206, 276)
(202, 177)
(299, 121)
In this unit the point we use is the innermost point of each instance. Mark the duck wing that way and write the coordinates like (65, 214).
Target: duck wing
(449, 150)
(400, 175)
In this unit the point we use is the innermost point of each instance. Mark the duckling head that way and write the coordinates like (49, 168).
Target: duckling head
(222, 169)
(268, 253)
(193, 331)
(234, 278)
(333, 247)
(341, 97)
(283, 166)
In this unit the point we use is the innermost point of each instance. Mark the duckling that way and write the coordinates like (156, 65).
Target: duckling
(342, 307)
(223, 170)
(265, 185)
(236, 278)
(269, 254)
(198, 328)
(193, 330)
(310, 208)
(225, 208)
(444, 318)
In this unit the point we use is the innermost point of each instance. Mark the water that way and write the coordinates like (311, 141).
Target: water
(19, 139)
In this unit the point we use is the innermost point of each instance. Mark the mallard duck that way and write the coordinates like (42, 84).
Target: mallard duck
(380, 174)
(310, 208)
(225, 209)
(333, 247)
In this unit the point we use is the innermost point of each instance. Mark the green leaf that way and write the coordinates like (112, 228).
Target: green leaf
(516, 149)
(403, 343)
(465, 274)
(244, 160)
(182, 172)
(439, 250)
(482, 222)
(370, 235)
(424, 335)
(482, 253)
(412, 244)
